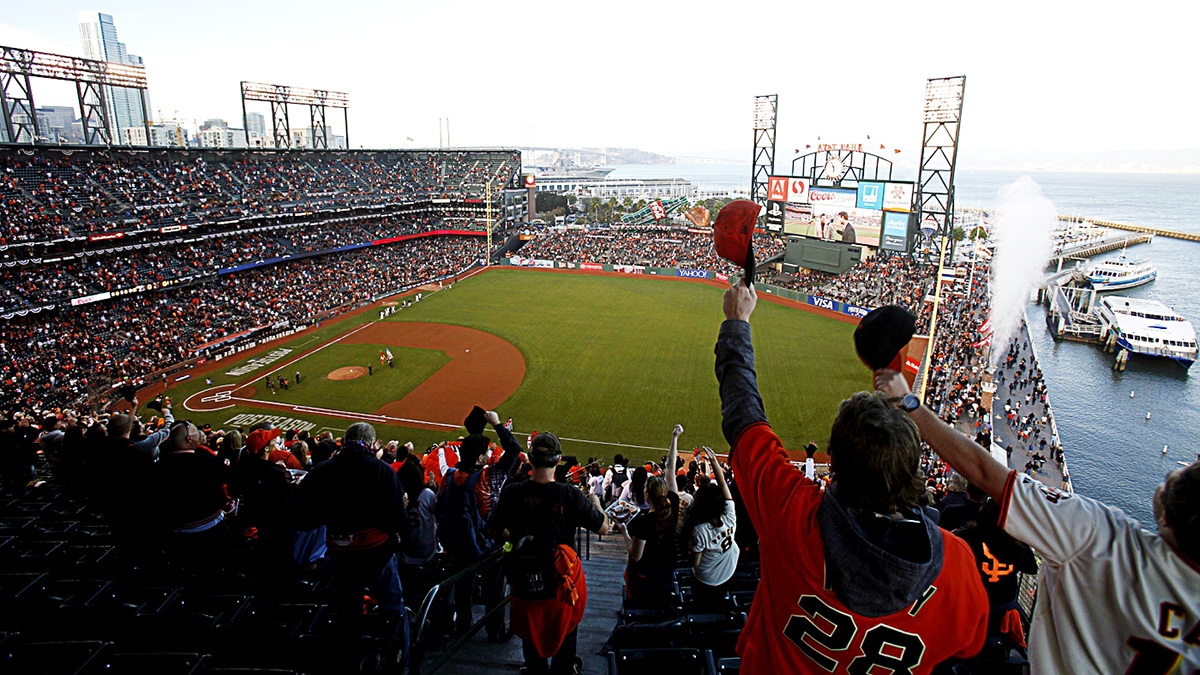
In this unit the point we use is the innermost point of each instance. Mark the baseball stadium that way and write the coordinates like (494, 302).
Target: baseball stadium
(272, 405)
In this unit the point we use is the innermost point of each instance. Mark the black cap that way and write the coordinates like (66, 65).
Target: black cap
(472, 447)
(475, 422)
(544, 450)
(882, 333)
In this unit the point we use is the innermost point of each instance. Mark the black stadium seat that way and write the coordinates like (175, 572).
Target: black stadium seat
(660, 661)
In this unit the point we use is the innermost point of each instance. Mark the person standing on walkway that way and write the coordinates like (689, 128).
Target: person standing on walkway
(538, 518)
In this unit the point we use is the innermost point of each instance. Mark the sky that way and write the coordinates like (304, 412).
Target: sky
(670, 77)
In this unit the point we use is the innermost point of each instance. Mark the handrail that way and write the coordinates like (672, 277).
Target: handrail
(423, 624)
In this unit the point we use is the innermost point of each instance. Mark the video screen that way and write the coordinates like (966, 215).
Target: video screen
(833, 215)
(852, 215)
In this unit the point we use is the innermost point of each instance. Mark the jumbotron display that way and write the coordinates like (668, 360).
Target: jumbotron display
(871, 213)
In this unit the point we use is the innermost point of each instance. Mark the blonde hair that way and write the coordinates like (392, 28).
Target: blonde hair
(656, 497)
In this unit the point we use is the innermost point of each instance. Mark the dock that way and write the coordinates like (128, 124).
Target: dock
(1159, 231)
(1111, 242)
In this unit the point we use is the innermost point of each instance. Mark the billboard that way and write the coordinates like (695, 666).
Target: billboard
(774, 219)
(851, 215)
(787, 189)
(895, 231)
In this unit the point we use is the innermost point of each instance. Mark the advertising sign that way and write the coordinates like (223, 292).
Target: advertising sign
(798, 190)
(774, 219)
(692, 274)
(833, 197)
(777, 189)
(870, 196)
(898, 197)
(823, 303)
(895, 231)
(590, 266)
(657, 210)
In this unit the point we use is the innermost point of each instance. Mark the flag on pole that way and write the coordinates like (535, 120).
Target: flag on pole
(985, 328)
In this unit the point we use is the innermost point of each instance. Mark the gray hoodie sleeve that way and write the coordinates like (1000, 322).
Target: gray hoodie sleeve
(741, 404)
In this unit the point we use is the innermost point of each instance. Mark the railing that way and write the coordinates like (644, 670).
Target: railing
(426, 626)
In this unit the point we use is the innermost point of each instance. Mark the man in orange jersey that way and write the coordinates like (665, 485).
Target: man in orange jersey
(856, 579)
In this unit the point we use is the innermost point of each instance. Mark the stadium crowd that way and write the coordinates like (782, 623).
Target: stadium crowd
(41, 282)
(51, 358)
(652, 247)
(50, 195)
(884, 279)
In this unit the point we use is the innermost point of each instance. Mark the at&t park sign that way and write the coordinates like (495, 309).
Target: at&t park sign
(839, 147)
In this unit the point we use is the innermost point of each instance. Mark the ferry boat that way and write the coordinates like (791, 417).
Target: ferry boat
(1115, 275)
(1146, 327)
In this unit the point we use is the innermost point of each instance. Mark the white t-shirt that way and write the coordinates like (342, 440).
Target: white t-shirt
(1109, 591)
(718, 552)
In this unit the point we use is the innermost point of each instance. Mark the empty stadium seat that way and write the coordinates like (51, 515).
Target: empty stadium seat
(660, 661)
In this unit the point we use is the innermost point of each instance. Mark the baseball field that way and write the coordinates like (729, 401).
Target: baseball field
(610, 363)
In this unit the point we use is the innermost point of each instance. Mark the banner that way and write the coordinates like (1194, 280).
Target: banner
(590, 266)
(777, 188)
(854, 310)
(823, 303)
(898, 197)
(797, 190)
(833, 197)
(870, 196)
(629, 269)
(774, 220)
(657, 210)
(722, 277)
(542, 263)
(692, 274)
(895, 232)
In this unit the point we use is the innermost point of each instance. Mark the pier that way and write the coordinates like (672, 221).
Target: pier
(1160, 231)
(1089, 248)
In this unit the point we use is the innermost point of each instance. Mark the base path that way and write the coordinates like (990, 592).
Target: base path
(484, 370)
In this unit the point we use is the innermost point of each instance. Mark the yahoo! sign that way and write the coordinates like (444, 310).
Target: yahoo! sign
(692, 274)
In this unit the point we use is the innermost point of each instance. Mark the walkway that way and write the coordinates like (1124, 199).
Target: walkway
(1005, 434)
(605, 574)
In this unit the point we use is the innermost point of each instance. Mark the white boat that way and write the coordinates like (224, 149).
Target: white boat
(1146, 327)
(1119, 274)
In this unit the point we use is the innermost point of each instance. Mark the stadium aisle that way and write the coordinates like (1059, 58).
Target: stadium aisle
(605, 576)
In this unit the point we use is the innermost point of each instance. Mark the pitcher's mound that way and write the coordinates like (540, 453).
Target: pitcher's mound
(347, 373)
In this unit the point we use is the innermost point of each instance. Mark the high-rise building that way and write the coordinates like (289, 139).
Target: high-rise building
(256, 124)
(58, 124)
(125, 106)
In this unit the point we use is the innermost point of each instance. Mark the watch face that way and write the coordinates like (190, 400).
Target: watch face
(834, 168)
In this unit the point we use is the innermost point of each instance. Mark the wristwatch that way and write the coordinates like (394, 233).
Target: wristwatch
(910, 403)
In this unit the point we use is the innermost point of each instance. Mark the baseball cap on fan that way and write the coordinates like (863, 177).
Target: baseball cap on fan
(733, 234)
(544, 450)
(882, 335)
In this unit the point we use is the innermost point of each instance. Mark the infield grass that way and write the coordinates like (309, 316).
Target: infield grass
(616, 359)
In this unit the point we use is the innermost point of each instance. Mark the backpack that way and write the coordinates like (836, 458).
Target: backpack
(530, 568)
(620, 475)
(460, 527)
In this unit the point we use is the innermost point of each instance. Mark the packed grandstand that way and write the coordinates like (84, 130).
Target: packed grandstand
(118, 267)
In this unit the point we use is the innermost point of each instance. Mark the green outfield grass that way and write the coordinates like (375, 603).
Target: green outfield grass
(364, 394)
(611, 359)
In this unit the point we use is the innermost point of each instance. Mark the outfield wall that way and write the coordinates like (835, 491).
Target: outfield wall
(687, 273)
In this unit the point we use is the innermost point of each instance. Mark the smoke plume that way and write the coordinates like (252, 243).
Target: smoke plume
(1024, 236)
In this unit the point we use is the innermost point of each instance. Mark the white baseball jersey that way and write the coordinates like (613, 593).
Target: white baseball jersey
(1112, 597)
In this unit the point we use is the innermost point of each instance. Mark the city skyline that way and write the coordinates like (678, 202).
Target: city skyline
(687, 87)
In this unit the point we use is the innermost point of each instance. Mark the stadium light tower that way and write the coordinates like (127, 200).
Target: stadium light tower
(765, 109)
(939, 153)
(281, 96)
